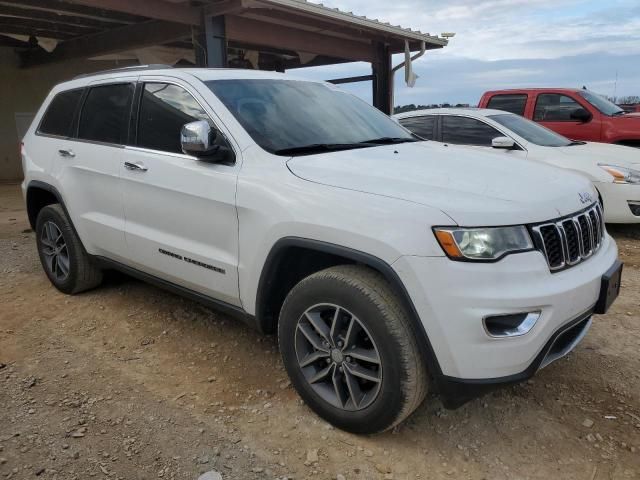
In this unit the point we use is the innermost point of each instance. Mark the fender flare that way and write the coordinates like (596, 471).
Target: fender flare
(54, 191)
(274, 256)
(49, 188)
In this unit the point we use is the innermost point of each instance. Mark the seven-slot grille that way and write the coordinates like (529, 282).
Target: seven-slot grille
(569, 241)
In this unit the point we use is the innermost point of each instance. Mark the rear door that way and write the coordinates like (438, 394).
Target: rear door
(509, 102)
(553, 110)
(424, 126)
(54, 131)
(88, 166)
(181, 220)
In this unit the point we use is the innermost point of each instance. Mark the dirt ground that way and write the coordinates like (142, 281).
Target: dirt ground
(130, 382)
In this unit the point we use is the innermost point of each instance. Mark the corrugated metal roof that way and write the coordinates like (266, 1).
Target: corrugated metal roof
(362, 21)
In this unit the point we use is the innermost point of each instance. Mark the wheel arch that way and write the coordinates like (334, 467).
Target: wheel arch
(39, 195)
(273, 288)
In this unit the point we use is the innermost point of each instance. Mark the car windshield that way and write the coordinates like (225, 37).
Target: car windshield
(290, 117)
(531, 131)
(602, 104)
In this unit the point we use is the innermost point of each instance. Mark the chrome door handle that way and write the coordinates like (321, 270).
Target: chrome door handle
(135, 166)
(66, 153)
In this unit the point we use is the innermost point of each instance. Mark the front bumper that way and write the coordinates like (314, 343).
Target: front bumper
(455, 392)
(451, 299)
(616, 198)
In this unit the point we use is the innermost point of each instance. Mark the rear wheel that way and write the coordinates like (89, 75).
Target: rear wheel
(350, 351)
(63, 258)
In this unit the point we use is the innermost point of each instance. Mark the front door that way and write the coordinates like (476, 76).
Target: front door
(553, 110)
(181, 220)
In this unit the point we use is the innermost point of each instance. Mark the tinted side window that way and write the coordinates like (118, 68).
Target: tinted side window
(105, 114)
(467, 131)
(554, 107)
(421, 126)
(514, 103)
(164, 110)
(58, 118)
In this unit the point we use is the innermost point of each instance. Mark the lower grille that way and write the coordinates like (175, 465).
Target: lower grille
(568, 241)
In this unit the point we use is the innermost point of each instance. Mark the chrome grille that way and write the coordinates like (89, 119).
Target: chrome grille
(568, 241)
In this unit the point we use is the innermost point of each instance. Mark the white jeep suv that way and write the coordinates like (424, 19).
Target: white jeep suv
(387, 266)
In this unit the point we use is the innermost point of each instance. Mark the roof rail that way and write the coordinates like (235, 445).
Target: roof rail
(133, 68)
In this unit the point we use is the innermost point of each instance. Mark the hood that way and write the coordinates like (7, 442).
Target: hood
(471, 187)
(604, 153)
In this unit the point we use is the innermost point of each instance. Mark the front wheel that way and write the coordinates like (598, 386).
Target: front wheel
(349, 348)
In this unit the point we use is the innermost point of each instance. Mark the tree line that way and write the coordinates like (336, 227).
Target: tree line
(411, 107)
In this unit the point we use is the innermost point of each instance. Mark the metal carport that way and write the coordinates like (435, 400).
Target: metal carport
(42, 37)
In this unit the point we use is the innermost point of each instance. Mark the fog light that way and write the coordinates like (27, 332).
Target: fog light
(635, 208)
(510, 325)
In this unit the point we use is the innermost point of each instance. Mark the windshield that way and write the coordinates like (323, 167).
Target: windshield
(531, 131)
(605, 106)
(296, 117)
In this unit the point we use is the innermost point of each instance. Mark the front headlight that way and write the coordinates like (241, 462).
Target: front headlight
(622, 174)
(483, 243)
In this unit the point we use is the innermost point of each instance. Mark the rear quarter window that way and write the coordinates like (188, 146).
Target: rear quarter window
(58, 118)
(512, 103)
(422, 126)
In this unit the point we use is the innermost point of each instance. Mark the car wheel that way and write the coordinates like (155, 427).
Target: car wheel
(349, 348)
(63, 258)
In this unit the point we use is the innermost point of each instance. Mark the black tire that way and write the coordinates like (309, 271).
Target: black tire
(365, 294)
(80, 272)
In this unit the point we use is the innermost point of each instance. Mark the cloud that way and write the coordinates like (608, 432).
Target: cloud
(507, 43)
(463, 80)
(508, 29)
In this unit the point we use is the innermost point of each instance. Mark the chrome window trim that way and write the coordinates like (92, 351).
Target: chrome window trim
(161, 152)
(96, 142)
(38, 133)
(81, 140)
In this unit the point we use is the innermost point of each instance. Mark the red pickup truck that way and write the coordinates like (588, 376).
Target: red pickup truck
(576, 114)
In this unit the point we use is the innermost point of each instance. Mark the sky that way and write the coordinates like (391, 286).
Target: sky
(507, 44)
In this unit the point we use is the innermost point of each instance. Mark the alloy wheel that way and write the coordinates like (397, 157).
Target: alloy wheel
(338, 357)
(55, 251)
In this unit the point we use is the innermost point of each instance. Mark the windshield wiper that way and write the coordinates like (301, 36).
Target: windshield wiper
(389, 140)
(619, 112)
(318, 147)
(331, 147)
(576, 142)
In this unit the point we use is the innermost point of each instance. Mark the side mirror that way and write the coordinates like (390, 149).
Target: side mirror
(197, 139)
(505, 143)
(200, 140)
(580, 115)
